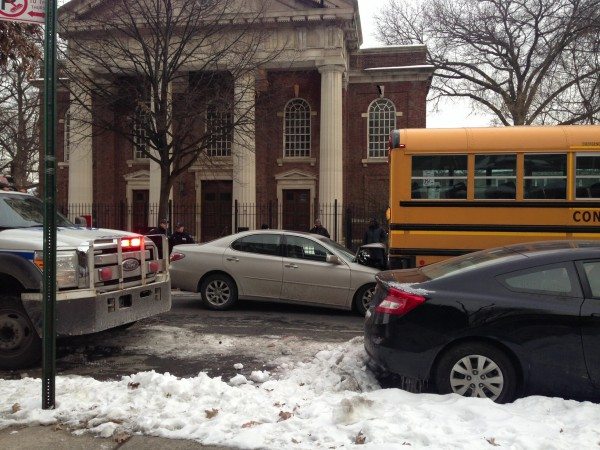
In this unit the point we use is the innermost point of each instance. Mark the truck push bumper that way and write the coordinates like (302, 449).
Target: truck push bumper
(77, 315)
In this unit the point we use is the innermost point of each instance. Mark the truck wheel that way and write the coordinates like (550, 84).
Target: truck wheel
(20, 345)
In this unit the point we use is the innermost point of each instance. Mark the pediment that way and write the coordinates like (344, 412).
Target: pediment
(295, 175)
(140, 175)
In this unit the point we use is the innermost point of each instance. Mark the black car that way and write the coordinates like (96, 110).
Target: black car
(500, 323)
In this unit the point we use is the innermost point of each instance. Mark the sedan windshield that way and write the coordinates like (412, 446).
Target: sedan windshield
(465, 262)
(20, 211)
(342, 251)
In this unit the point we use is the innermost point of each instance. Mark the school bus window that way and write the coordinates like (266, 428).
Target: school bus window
(545, 176)
(587, 176)
(495, 176)
(439, 177)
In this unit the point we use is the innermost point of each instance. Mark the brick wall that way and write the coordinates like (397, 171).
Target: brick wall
(272, 99)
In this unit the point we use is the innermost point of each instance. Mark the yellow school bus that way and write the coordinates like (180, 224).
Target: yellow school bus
(453, 191)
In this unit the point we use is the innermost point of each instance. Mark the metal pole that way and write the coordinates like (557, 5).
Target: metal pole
(49, 292)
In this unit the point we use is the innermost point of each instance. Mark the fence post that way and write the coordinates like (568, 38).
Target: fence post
(335, 220)
(270, 214)
(348, 231)
(235, 216)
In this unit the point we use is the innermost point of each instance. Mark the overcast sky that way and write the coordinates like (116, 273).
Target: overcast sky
(453, 113)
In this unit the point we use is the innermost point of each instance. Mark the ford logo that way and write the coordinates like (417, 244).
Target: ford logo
(130, 265)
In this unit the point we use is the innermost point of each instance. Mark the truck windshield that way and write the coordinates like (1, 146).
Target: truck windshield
(21, 211)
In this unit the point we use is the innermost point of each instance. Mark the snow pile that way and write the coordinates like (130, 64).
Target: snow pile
(328, 402)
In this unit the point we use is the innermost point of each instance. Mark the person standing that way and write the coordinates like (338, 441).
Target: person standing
(319, 229)
(374, 233)
(156, 232)
(180, 237)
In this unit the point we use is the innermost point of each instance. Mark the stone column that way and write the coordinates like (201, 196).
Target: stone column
(81, 190)
(243, 152)
(331, 182)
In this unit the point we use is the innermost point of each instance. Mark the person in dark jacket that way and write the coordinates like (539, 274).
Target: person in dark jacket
(319, 229)
(180, 237)
(374, 233)
(154, 234)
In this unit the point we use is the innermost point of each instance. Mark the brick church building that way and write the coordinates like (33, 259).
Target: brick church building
(319, 147)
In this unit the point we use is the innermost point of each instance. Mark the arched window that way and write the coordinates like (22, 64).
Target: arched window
(382, 120)
(219, 127)
(296, 134)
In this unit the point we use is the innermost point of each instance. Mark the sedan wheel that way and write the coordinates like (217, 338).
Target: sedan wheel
(363, 298)
(477, 370)
(218, 292)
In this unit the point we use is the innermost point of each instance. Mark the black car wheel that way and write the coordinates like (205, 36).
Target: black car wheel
(477, 370)
(20, 345)
(218, 292)
(362, 298)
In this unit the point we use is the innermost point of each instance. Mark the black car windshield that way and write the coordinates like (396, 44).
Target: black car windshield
(21, 211)
(463, 263)
(340, 249)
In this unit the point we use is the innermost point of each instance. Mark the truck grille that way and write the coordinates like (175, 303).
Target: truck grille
(115, 267)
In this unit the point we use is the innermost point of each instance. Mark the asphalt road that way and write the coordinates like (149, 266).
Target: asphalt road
(191, 339)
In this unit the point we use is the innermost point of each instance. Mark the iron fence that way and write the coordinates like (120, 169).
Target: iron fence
(346, 223)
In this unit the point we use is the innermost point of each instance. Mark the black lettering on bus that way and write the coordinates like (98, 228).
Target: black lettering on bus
(577, 216)
(587, 216)
(596, 216)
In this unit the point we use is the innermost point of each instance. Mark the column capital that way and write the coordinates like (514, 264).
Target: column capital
(329, 68)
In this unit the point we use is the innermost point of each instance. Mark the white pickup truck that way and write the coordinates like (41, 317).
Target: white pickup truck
(105, 279)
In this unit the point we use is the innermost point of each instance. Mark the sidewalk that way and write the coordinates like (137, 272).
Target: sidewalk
(51, 438)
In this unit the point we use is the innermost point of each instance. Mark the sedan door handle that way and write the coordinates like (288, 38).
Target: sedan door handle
(291, 266)
(231, 258)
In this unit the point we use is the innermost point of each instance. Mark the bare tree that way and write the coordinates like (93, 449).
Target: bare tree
(525, 61)
(19, 125)
(177, 77)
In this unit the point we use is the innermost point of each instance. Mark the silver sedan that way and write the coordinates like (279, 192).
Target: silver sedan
(273, 265)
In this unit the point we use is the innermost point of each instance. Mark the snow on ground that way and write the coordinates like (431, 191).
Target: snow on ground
(331, 401)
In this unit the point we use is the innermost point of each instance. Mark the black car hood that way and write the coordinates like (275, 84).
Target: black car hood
(402, 276)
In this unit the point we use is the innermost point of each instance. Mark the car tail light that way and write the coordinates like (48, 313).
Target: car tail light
(398, 302)
(176, 256)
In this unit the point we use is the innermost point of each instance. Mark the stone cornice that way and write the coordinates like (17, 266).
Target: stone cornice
(391, 74)
(308, 16)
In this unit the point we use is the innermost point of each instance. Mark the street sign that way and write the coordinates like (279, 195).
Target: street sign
(29, 11)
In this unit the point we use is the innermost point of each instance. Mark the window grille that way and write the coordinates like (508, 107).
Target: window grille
(297, 129)
(219, 127)
(140, 130)
(382, 120)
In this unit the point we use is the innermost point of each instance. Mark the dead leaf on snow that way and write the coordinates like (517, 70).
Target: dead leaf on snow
(16, 408)
(210, 413)
(278, 404)
(407, 443)
(561, 430)
(132, 385)
(360, 438)
(295, 441)
(492, 441)
(250, 424)
(121, 436)
(284, 415)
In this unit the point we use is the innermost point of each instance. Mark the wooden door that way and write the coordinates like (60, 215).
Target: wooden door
(216, 209)
(296, 210)
(139, 211)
